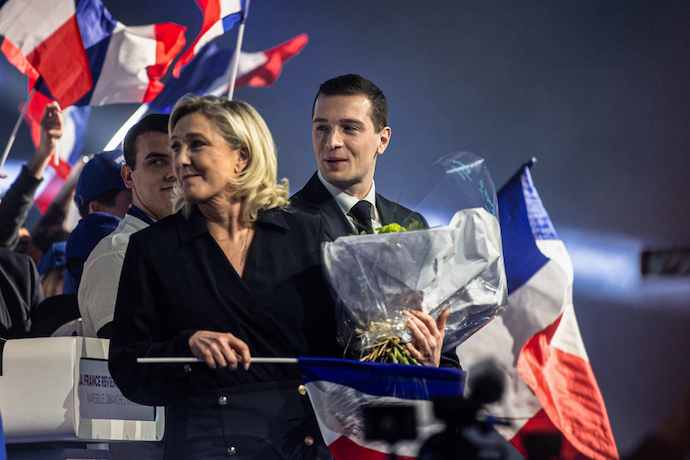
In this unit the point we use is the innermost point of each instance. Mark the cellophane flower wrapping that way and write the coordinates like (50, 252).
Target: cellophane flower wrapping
(377, 277)
(457, 267)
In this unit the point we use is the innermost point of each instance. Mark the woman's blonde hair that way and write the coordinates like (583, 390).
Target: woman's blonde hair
(241, 126)
(51, 281)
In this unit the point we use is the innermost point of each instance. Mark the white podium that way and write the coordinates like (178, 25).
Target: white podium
(60, 389)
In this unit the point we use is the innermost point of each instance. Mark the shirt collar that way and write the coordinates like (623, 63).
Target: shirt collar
(136, 212)
(345, 200)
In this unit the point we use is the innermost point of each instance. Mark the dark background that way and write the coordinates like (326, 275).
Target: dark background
(597, 91)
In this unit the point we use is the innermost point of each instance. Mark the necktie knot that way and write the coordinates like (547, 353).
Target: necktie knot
(362, 214)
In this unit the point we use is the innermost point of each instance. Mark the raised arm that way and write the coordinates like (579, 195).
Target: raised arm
(17, 202)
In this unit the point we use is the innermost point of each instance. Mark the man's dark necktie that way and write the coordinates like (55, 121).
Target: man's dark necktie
(362, 214)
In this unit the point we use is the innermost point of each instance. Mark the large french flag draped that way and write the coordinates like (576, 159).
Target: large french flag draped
(210, 71)
(219, 17)
(340, 388)
(537, 339)
(42, 38)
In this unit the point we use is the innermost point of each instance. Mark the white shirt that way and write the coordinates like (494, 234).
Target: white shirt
(346, 202)
(98, 288)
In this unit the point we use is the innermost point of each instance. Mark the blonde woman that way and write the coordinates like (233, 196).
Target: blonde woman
(234, 274)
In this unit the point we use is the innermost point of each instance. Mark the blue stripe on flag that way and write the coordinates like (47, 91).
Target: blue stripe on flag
(96, 26)
(95, 22)
(521, 255)
(230, 20)
(382, 379)
(80, 118)
(196, 77)
(539, 220)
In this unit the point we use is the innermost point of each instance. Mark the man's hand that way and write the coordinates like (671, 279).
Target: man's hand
(220, 349)
(427, 336)
(51, 131)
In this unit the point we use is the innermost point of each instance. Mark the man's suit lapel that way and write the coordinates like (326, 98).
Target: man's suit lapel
(335, 222)
(390, 212)
(315, 196)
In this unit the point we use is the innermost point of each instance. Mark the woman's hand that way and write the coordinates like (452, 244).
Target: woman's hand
(427, 336)
(220, 349)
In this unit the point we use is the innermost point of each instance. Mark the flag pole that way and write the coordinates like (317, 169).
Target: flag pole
(122, 132)
(238, 49)
(13, 136)
(175, 360)
(56, 157)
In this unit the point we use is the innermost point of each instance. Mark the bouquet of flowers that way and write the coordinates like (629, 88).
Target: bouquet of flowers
(376, 277)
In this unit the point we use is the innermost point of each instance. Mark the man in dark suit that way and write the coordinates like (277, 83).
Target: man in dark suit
(349, 132)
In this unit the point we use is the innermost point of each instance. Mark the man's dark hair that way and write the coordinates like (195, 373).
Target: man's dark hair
(106, 198)
(45, 236)
(156, 122)
(355, 85)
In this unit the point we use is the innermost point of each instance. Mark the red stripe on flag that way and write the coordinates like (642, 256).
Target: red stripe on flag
(15, 56)
(169, 41)
(44, 200)
(62, 169)
(62, 61)
(568, 392)
(211, 11)
(268, 73)
(344, 448)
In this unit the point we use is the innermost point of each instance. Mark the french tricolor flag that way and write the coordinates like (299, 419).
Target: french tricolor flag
(219, 17)
(210, 71)
(126, 62)
(42, 38)
(552, 387)
(340, 388)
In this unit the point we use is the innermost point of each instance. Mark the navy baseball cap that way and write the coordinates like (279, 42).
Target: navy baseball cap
(100, 174)
(55, 257)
